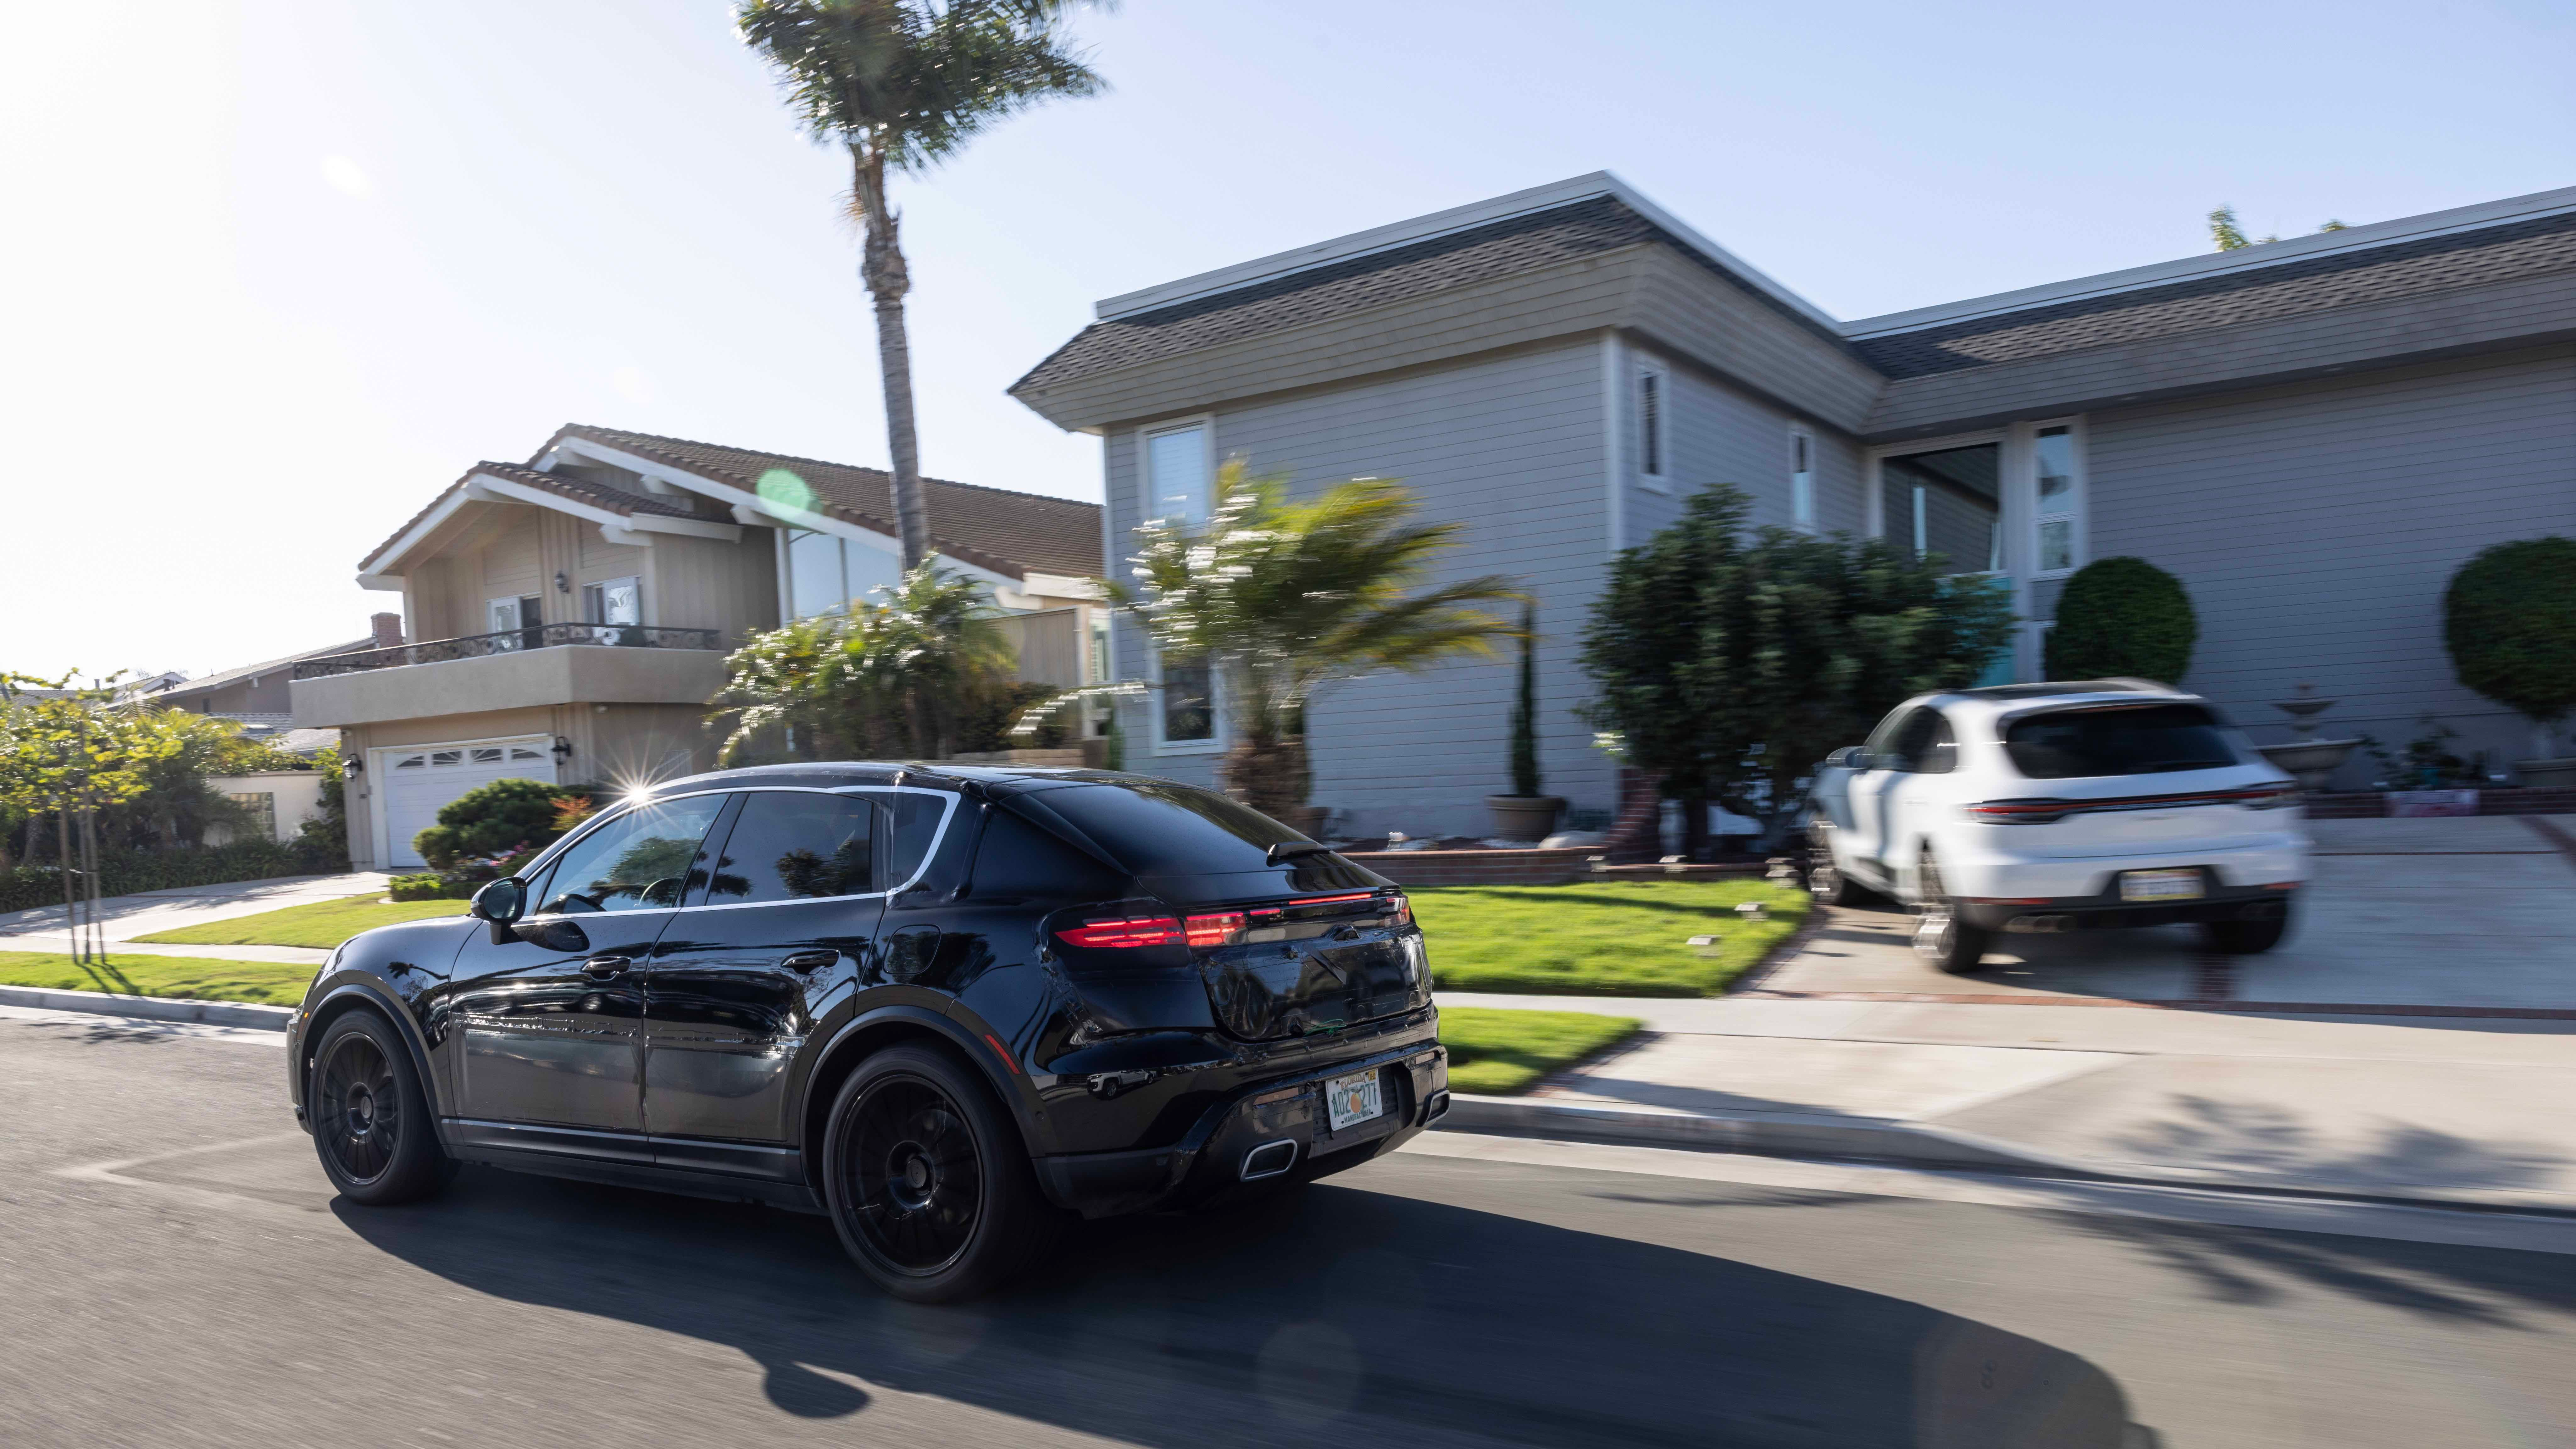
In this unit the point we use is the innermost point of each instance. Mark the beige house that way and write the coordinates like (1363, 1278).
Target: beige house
(568, 617)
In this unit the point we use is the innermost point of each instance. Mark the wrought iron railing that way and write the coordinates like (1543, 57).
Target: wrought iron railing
(508, 641)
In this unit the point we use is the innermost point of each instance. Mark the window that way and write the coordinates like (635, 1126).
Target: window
(1177, 475)
(1802, 480)
(1947, 503)
(517, 616)
(1922, 745)
(1188, 702)
(2125, 740)
(1162, 828)
(261, 807)
(1650, 423)
(917, 818)
(612, 601)
(637, 861)
(2053, 459)
(814, 581)
(791, 845)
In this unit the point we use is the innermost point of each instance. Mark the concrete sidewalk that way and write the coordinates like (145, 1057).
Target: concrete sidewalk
(148, 913)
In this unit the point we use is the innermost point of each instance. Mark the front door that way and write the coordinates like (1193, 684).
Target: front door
(545, 1043)
(782, 926)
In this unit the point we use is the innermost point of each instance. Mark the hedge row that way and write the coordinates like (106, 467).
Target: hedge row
(124, 872)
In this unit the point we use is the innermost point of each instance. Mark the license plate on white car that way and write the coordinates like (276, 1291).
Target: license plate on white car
(1351, 1100)
(2160, 885)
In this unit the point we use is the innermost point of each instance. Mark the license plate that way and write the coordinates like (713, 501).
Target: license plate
(2160, 885)
(1350, 1101)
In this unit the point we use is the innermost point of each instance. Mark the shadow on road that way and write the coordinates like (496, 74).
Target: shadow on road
(1273, 1323)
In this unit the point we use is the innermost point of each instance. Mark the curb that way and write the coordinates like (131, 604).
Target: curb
(150, 1008)
(1818, 1136)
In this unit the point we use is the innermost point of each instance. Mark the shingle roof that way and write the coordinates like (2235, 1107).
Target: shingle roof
(1010, 533)
(220, 678)
(2372, 274)
(1496, 249)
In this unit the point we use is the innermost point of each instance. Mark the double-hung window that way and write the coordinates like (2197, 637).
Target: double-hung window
(1654, 447)
(1179, 475)
(1186, 706)
(2053, 460)
(1802, 480)
(614, 604)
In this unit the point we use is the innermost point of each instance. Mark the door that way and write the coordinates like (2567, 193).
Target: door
(784, 922)
(1873, 781)
(545, 1037)
(412, 784)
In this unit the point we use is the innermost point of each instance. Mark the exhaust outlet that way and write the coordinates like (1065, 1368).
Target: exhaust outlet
(2041, 925)
(1436, 1109)
(1268, 1160)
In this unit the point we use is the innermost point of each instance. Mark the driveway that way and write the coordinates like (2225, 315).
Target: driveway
(2470, 916)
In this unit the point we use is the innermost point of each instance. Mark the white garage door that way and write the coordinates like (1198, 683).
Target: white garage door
(412, 783)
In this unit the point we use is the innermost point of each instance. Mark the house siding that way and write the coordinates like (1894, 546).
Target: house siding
(1510, 447)
(1721, 433)
(2316, 527)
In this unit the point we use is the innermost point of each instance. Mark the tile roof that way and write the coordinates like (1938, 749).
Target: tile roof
(1477, 254)
(1010, 533)
(2261, 293)
(585, 490)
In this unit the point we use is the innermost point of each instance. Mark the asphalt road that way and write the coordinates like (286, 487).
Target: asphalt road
(173, 1269)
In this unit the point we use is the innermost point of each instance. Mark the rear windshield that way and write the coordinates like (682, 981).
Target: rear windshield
(2136, 740)
(1153, 828)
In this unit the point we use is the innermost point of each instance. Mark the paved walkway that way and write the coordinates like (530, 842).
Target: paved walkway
(148, 913)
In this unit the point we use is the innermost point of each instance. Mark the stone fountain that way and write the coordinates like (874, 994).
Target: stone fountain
(2309, 760)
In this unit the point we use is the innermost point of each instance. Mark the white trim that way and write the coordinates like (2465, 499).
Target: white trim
(1654, 437)
(1874, 511)
(1613, 476)
(1442, 223)
(456, 497)
(2017, 483)
(1145, 435)
(484, 487)
(388, 583)
(1215, 743)
(2266, 254)
(546, 858)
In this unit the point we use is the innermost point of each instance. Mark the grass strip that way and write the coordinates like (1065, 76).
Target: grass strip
(321, 924)
(1501, 1052)
(272, 983)
(1602, 938)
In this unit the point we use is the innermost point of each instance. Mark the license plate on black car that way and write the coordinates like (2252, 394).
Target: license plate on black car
(2160, 885)
(1349, 1101)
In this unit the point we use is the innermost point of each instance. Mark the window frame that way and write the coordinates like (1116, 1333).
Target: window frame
(1653, 425)
(2018, 526)
(601, 588)
(1206, 424)
(1215, 743)
(726, 816)
(1802, 440)
(2079, 497)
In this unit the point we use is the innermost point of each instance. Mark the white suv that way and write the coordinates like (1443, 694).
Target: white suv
(2060, 807)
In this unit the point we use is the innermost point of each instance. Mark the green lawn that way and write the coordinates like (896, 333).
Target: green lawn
(278, 983)
(1604, 938)
(323, 924)
(1500, 1052)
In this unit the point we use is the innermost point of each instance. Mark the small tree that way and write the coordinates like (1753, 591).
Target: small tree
(1729, 663)
(2122, 618)
(2509, 617)
(1525, 779)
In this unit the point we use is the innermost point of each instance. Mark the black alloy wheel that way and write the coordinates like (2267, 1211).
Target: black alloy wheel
(1940, 937)
(371, 1122)
(927, 1180)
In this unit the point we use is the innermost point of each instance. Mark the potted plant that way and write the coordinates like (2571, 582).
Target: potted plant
(2510, 622)
(1525, 814)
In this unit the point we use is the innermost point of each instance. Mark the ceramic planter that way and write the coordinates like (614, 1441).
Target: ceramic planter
(1524, 817)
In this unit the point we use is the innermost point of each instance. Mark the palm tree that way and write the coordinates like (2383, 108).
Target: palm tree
(1285, 598)
(904, 84)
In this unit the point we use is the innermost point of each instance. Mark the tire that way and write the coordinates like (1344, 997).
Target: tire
(2245, 938)
(928, 1181)
(1940, 937)
(1825, 880)
(372, 1126)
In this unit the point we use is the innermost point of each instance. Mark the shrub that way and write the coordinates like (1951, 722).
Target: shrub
(2122, 618)
(2509, 618)
(431, 888)
(501, 818)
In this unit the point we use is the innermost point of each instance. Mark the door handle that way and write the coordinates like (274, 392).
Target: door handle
(603, 968)
(811, 960)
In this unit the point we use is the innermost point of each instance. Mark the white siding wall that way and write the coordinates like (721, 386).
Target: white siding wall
(1512, 447)
(2316, 527)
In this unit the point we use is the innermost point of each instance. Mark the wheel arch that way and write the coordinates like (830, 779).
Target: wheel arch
(338, 1002)
(872, 1032)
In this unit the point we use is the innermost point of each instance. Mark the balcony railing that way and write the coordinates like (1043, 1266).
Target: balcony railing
(508, 641)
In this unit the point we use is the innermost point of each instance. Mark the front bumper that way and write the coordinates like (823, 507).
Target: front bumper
(1210, 1160)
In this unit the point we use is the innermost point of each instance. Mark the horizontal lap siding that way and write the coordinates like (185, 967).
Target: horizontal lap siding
(1511, 448)
(2316, 528)
(1722, 434)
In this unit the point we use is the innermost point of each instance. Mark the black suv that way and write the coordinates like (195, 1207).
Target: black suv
(944, 1006)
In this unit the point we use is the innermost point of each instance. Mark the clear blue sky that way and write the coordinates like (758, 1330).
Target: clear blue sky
(279, 271)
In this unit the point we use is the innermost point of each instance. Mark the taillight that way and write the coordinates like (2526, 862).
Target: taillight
(1225, 928)
(1401, 909)
(1123, 934)
(2269, 797)
(2018, 812)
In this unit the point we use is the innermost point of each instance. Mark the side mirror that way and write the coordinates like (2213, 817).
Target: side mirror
(499, 904)
(1849, 757)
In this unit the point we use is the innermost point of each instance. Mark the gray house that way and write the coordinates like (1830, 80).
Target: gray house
(2313, 434)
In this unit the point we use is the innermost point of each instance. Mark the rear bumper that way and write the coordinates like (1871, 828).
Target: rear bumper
(1985, 867)
(2105, 910)
(1210, 1162)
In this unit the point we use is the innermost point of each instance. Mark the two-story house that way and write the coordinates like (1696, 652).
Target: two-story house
(2312, 434)
(569, 616)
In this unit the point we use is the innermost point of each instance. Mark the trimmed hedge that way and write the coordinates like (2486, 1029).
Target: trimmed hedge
(501, 818)
(431, 888)
(2122, 618)
(2509, 618)
(123, 872)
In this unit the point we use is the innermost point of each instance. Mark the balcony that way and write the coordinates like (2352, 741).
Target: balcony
(549, 664)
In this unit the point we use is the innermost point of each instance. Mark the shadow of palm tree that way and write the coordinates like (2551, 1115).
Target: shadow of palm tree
(2254, 1137)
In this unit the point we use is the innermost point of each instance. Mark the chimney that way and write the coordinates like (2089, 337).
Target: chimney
(388, 629)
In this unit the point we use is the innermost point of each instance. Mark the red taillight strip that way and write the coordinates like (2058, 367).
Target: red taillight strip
(1123, 934)
(1333, 900)
(2015, 809)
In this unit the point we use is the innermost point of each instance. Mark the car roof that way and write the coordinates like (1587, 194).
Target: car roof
(837, 774)
(2001, 700)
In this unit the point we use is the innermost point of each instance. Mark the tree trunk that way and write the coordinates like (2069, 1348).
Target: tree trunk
(1695, 826)
(1269, 775)
(881, 267)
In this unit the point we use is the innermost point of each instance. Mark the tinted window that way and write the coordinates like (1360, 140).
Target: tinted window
(791, 845)
(2138, 740)
(636, 861)
(1016, 860)
(916, 828)
(1164, 829)
(1922, 743)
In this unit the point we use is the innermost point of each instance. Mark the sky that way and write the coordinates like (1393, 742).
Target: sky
(277, 272)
